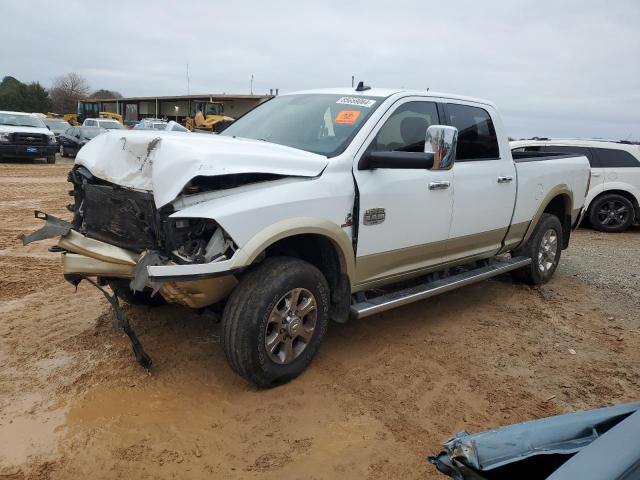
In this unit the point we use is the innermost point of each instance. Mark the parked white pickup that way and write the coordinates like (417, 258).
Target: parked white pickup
(298, 210)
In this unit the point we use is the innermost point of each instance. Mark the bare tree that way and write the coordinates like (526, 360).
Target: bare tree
(67, 90)
(102, 93)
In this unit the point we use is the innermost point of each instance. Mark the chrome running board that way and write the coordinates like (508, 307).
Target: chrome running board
(430, 289)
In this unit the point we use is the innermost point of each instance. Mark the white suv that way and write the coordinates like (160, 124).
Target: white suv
(613, 201)
(102, 123)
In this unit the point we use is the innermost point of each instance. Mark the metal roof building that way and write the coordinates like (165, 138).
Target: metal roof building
(175, 107)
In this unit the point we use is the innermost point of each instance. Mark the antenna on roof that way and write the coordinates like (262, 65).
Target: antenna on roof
(362, 87)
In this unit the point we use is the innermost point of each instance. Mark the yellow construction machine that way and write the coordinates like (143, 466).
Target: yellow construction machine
(208, 116)
(71, 118)
(111, 115)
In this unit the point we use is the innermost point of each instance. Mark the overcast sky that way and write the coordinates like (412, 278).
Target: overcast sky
(554, 68)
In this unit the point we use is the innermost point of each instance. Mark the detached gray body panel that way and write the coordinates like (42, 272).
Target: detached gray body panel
(595, 434)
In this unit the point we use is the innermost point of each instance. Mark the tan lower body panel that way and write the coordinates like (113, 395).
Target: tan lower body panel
(388, 267)
(514, 236)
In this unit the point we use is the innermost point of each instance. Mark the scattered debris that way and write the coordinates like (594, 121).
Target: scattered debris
(572, 351)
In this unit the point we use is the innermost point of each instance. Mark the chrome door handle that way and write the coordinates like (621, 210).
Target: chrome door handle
(439, 185)
(505, 179)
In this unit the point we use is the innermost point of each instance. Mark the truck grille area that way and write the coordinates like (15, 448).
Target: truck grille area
(129, 219)
(120, 217)
(29, 139)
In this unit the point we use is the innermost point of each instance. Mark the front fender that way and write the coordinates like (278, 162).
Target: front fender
(298, 226)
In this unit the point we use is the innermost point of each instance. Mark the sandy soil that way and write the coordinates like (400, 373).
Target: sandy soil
(382, 394)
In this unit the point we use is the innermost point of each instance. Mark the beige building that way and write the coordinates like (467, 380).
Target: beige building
(174, 107)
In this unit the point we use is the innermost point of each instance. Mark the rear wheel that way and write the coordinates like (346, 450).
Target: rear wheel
(275, 320)
(51, 159)
(543, 248)
(611, 213)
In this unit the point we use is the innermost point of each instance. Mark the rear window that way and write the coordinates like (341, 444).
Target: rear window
(612, 158)
(477, 138)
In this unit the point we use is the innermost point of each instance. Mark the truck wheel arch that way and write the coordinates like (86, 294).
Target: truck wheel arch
(320, 243)
(558, 202)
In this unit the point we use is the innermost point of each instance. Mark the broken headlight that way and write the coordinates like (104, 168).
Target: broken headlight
(197, 240)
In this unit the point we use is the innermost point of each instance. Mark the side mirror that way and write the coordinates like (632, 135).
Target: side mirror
(48, 128)
(396, 159)
(441, 142)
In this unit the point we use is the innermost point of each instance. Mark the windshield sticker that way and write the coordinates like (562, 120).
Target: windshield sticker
(360, 102)
(347, 117)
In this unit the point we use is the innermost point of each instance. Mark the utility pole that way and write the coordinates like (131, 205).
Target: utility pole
(353, 79)
(188, 89)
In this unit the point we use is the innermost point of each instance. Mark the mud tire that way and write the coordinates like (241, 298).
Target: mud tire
(247, 312)
(532, 273)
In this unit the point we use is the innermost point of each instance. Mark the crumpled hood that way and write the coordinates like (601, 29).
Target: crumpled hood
(164, 162)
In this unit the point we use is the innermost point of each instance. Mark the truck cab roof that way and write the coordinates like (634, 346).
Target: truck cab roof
(388, 92)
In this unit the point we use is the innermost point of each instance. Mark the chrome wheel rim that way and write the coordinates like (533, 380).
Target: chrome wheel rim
(547, 251)
(613, 213)
(291, 325)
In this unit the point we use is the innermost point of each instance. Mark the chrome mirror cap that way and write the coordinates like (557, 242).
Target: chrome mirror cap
(441, 141)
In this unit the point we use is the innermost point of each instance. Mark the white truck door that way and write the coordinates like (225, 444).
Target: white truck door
(404, 214)
(484, 183)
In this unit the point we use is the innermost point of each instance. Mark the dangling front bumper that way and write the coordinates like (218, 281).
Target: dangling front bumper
(89, 257)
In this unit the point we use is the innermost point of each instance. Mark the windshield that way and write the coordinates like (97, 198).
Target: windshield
(90, 132)
(111, 125)
(20, 120)
(318, 123)
(159, 126)
(57, 124)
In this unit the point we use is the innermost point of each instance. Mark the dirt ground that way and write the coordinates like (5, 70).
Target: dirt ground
(382, 394)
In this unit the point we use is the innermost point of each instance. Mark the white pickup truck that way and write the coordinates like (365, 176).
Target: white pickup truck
(316, 205)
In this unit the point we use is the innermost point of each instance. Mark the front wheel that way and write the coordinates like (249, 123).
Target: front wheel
(275, 320)
(611, 213)
(51, 159)
(543, 248)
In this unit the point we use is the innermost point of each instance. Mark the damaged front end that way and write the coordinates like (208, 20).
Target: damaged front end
(117, 232)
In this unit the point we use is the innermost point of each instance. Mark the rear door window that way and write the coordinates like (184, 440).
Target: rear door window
(613, 158)
(477, 138)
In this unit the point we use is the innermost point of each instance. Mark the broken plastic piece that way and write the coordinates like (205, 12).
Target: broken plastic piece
(140, 273)
(53, 227)
(141, 356)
